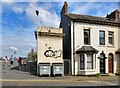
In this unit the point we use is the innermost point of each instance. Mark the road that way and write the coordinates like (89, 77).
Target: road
(19, 78)
(56, 83)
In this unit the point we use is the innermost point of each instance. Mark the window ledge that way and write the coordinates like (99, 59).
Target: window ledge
(91, 70)
(111, 46)
(101, 46)
(88, 70)
(87, 44)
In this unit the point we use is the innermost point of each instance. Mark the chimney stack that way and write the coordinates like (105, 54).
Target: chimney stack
(117, 17)
(114, 15)
(65, 8)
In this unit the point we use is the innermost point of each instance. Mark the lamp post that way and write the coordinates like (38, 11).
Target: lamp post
(37, 13)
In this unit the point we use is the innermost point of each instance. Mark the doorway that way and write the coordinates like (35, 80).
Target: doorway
(102, 66)
(110, 63)
(102, 63)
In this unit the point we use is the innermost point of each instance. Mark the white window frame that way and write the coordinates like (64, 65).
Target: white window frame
(99, 36)
(82, 56)
(90, 62)
(88, 30)
(111, 36)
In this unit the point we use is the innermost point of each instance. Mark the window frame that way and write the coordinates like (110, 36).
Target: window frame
(90, 61)
(89, 37)
(111, 36)
(82, 56)
(101, 37)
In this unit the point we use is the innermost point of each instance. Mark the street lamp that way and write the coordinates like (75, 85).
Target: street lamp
(37, 13)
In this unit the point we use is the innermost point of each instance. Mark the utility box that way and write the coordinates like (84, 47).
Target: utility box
(58, 69)
(44, 69)
(49, 48)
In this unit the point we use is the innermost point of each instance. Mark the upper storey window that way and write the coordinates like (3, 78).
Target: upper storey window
(111, 38)
(101, 37)
(86, 37)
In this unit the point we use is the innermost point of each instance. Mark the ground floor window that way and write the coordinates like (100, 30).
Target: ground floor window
(82, 60)
(89, 61)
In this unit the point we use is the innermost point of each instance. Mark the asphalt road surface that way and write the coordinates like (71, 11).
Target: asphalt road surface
(57, 83)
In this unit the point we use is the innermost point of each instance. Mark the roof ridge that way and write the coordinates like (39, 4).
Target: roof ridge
(86, 15)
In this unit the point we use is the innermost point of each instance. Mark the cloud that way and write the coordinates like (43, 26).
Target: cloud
(18, 9)
(8, 1)
(46, 12)
(22, 43)
(33, 45)
(45, 16)
(13, 48)
(94, 8)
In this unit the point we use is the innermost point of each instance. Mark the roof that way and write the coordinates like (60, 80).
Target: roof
(86, 49)
(118, 51)
(92, 19)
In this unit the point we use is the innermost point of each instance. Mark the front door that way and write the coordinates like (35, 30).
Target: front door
(110, 65)
(102, 66)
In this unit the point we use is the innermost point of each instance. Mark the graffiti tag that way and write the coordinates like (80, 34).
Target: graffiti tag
(51, 53)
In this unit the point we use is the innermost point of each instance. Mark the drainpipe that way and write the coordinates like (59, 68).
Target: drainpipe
(74, 47)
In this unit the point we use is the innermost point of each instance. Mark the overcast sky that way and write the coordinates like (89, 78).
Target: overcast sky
(19, 20)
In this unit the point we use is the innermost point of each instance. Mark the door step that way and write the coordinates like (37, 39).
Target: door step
(111, 74)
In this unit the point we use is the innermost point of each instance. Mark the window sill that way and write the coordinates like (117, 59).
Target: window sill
(111, 46)
(101, 46)
(87, 44)
(88, 70)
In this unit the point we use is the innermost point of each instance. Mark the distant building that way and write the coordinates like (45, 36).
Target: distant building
(90, 42)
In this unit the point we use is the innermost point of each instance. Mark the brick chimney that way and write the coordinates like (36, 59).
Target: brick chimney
(65, 8)
(114, 15)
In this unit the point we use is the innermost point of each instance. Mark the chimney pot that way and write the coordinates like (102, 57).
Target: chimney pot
(65, 7)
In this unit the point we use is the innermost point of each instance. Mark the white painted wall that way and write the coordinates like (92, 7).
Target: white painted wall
(79, 41)
(49, 41)
(118, 37)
